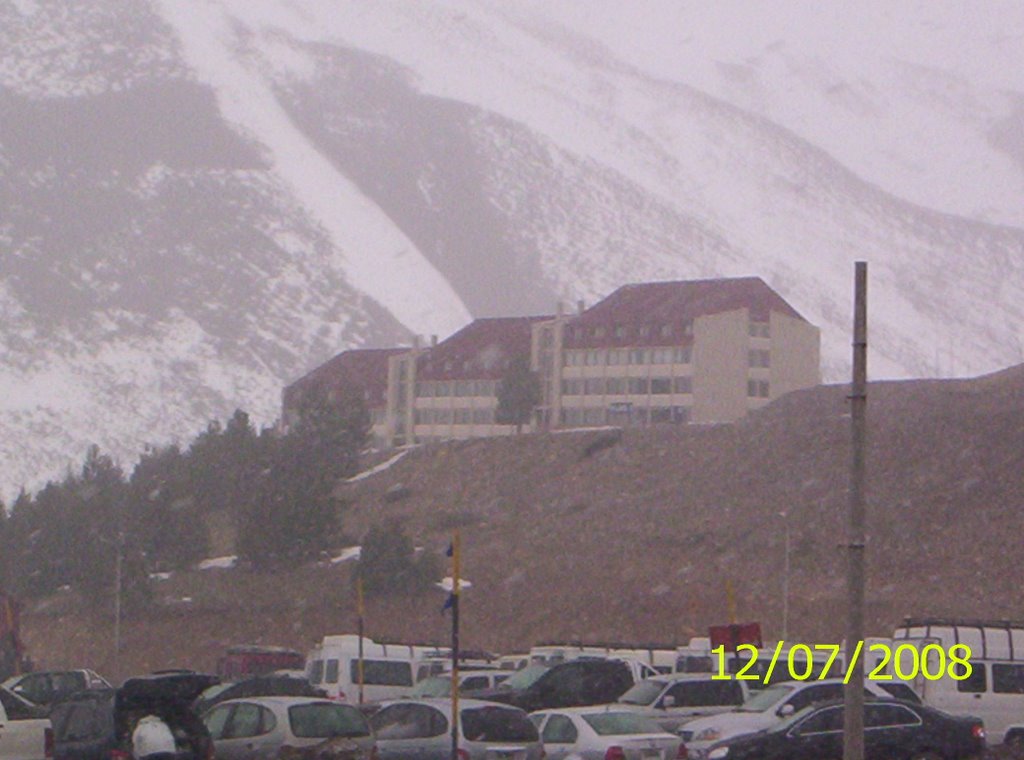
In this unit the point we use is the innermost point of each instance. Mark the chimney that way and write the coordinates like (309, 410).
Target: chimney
(579, 306)
(433, 341)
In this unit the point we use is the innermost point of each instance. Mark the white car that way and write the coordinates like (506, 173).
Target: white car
(671, 701)
(603, 733)
(763, 710)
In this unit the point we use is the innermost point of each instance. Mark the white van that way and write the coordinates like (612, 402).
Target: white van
(389, 670)
(659, 659)
(994, 691)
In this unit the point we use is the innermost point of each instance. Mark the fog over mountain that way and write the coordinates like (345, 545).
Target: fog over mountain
(200, 201)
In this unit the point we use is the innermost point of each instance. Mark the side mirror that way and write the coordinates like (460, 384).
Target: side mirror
(668, 701)
(786, 710)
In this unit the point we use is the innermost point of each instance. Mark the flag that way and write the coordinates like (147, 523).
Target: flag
(450, 551)
(448, 603)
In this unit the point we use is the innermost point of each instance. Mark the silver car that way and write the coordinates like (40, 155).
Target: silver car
(604, 733)
(421, 729)
(265, 728)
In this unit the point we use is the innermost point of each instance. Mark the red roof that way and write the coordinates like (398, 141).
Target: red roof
(365, 368)
(662, 313)
(479, 351)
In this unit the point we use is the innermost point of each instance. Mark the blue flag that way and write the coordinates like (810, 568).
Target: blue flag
(450, 550)
(448, 603)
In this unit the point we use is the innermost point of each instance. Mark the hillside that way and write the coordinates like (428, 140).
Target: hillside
(205, 200)
(636, 540)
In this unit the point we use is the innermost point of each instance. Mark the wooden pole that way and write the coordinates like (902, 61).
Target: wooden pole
(360, 613)
(853, 693)
(456, 569)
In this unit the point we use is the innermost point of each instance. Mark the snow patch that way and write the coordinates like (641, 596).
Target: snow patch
(347, 554)
(221, 563)
(379, 468)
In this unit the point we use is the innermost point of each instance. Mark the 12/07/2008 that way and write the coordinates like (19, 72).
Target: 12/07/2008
(904, 662)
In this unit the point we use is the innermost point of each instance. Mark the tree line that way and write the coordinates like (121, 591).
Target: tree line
(276, 489)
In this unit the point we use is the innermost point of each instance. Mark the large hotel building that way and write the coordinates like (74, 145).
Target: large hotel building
(700, 351)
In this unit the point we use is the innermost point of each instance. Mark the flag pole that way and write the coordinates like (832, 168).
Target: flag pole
(456, 558)
(360, 612)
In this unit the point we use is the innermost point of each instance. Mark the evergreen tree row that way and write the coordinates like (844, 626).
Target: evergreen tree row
(276, 489)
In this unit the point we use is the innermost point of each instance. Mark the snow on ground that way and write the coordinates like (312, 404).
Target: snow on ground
(347, 554)
(375, 255)
(220, 563)
(379, 468)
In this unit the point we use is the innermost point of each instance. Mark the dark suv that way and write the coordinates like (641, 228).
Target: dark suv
(98, 724)
(572, 684)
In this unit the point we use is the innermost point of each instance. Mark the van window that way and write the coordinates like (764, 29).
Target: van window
(316, 672)
(976, 682)
(693, 664)
(331, 673)
(382, 672)
(1007, 679)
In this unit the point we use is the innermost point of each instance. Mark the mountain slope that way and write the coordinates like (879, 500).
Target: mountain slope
(591, 536)
(203, 201)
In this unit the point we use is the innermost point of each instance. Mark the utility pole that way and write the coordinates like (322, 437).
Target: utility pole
(117, 592)
(853, 692)
(785, 579)
(456, 573)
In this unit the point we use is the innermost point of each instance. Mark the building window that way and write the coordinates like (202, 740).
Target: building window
(598, 332)
(424, 390)
(661, 385)
(620, 331)
(682, 384)
(443, 389)
(757, 388)
(688, 327)
(759, 357)
(618, 356)
(463, 387)
(666, 331)
(638, 356)
(759, 330)
(593, 386)
(483, 416)
(615, 386)
(572, 387)
(638, 386)
(682, 354)
(661, 414)
(463, 416)
(644, 330)
(680, 414)
(661, 356)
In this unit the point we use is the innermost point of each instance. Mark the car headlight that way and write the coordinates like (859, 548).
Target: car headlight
(708, 735)
(718, 753)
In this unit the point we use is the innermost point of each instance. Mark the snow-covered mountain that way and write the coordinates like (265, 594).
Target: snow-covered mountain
(201, 200)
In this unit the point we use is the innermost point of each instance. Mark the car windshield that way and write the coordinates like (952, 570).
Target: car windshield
(766, 698)
(524, 678)
(497, 724)
(643, 693)
(618, 724)
(435, 686)
(322, 720)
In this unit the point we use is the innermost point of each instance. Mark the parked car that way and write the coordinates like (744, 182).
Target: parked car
(258, 686)
(292, 727)
(84, 726)
(168, 696)
(892, 729)
(596, 733)
(577, 683)
(765, 709)
(422, 729)
(671, 701)
(46, 687)
(470, 681)
(26, 730)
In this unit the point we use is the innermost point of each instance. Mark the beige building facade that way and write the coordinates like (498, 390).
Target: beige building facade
(697, 351)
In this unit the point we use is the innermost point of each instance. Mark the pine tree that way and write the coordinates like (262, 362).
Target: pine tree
(518, 394)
